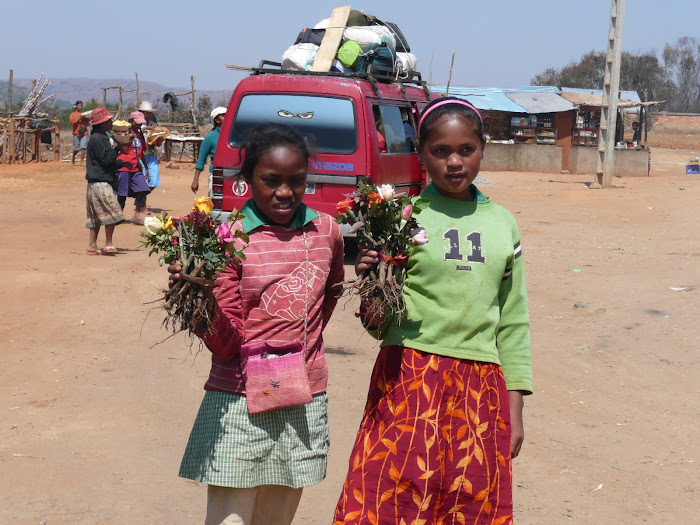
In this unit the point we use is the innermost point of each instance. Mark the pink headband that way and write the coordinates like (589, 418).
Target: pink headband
(445, 102)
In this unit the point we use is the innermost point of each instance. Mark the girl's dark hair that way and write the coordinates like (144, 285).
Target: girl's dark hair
(458, 108)
(263, 138)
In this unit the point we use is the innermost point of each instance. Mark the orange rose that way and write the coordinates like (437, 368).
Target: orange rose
(374, 198)
(345, 205)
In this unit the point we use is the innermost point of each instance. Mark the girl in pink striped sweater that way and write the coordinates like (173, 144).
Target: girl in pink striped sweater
(256, 465)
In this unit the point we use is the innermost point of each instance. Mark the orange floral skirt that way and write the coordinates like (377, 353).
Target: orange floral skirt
(433, 447)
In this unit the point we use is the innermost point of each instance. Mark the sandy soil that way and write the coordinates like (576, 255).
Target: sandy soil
(95, 417)
(675, 131)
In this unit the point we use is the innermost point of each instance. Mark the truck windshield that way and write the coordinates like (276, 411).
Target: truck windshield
(328, 124)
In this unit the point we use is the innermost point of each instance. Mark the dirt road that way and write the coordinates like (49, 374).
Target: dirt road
(94, 417)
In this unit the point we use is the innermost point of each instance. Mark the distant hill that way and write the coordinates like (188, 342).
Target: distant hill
(68, 90)
(18, 93)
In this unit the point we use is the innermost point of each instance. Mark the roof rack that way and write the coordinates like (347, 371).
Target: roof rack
(386, 75)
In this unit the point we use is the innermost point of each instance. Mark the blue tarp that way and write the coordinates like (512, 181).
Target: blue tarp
(482, 98)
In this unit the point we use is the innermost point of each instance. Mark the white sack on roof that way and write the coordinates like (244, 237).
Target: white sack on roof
(299, 57)
(365, 35)
(406, 62)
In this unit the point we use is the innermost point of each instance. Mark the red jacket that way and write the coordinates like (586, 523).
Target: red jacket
(264, 300)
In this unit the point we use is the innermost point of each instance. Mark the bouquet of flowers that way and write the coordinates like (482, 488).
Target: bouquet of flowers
(204, 246)
(383, 221)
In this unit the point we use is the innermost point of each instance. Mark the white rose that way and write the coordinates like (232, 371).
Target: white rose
(386, 191)
(153, 225)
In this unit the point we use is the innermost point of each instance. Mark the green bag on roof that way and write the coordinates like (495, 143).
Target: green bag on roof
(349, 52)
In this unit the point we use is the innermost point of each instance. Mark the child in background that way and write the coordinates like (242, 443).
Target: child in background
(133, 182)
(151, 154)
(444, 411)
(257, 464)
(101, 174)
(208, 148)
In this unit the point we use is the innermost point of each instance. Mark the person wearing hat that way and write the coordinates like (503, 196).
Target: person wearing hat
(149, 113)
(133, 181)
(151, 153)
(102, 163)
(80, 132)
(208, 148)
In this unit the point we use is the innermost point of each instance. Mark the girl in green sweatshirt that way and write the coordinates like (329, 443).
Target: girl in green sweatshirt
(444, 411)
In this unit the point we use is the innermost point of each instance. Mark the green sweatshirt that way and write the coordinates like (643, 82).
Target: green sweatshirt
(465, 289)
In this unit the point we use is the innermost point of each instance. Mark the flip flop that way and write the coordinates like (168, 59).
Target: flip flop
(110, 249)
(94, 252)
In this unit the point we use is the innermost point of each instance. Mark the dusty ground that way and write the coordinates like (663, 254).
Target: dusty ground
(675, 131)
(94, 418)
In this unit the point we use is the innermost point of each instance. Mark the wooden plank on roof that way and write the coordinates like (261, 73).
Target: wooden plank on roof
(332, 38)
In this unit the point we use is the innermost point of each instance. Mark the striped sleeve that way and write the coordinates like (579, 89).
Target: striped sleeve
(513, 335)
(228, 332)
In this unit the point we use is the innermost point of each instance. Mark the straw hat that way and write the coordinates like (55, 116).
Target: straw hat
(100, 115)
(146, 106)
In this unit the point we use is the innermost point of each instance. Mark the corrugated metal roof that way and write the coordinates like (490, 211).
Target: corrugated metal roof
(541, 102)
(631, 96)
(482, 98)
(595, 100)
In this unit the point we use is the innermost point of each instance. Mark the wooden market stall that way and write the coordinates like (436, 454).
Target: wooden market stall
(23, 135)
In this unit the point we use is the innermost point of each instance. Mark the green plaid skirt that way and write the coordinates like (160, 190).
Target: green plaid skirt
(229, 447)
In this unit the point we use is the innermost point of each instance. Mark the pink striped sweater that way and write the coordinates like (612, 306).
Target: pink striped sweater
(263, 300)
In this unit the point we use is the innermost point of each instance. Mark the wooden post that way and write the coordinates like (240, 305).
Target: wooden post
(57, 143)
(449, 79)
(138, 93)
(9, 93)
(104, 98)
(192, 106)
(646, 121)
(119, 110)
(11, 145)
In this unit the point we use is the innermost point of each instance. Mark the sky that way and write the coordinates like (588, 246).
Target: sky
(498, 43)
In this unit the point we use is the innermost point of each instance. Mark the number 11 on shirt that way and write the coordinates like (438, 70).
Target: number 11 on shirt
(474, 238)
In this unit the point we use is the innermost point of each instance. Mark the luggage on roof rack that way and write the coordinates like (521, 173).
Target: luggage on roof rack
(378, 74)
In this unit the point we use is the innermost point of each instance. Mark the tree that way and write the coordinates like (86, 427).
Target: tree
(682, 62)
(588, 72)
(203, 108)
(675, 80)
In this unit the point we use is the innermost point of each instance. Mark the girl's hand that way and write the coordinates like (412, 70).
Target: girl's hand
(517, 431)
(365, 259)
(174, 268)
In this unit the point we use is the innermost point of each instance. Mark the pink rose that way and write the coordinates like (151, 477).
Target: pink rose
(419, 236)
(406, 213)
(224, 233)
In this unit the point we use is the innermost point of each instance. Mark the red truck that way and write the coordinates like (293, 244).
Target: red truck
(356, 127)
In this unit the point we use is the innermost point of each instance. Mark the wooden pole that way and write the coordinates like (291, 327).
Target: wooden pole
(138, 94)
(104, 97)
(9, 93)
(119, 111)
(192, 106)
(449, 80)
(430, 69)
(11, 145)
(57, 143)
(646, 121)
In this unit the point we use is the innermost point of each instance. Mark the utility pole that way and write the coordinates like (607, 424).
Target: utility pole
(611, 89)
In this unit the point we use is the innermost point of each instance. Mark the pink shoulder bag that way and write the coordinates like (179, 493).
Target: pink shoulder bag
(275, 375)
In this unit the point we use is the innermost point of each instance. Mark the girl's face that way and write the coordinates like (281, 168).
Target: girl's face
(135, 127)
(279, 182)
(452, 155)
